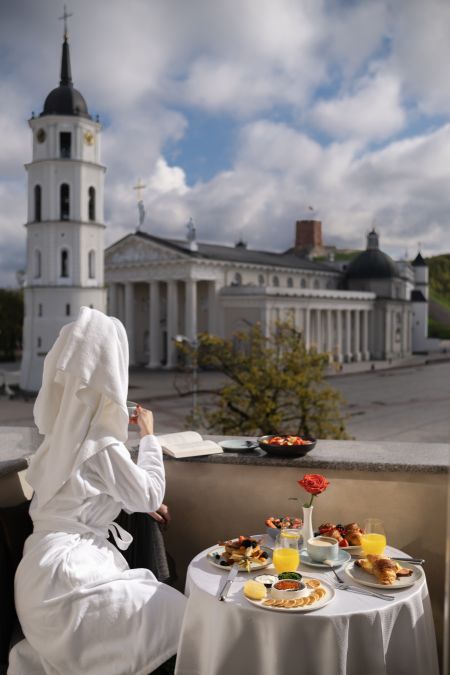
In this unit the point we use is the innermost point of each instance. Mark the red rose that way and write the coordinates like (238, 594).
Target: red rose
(314, 483)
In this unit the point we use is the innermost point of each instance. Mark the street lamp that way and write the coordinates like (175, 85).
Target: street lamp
(182, 339)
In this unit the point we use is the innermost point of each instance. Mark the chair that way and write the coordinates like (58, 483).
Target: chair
(15, 526)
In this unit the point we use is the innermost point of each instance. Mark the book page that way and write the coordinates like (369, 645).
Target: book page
(179, 438)
(192, 446)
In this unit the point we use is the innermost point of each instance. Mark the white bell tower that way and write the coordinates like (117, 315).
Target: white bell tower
(65, 229)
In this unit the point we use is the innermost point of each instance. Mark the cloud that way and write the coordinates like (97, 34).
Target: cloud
(372, 112)
(313, 90)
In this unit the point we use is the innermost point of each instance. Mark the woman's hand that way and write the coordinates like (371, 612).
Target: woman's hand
(144, 419)
(162, 515)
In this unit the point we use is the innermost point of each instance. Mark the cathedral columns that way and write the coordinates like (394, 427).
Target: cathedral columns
(154, 327)
(212, 308)
(307, 328)
(129, 320)
(357, 336)
(172, 323)
(191, 309)
(365, 335)
(348, 335)
(339, 342)
(319, 330)
(113, 309)
(329, 335)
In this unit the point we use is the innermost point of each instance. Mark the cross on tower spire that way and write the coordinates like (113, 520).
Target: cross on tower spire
(64, 18)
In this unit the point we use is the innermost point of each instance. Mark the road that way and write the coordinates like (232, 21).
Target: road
(402, 404)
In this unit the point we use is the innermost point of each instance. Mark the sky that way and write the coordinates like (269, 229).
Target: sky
(242, 114)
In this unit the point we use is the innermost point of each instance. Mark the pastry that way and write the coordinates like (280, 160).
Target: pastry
(383, 568)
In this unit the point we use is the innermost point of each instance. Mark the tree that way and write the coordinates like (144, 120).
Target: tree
(275, 385)
(11, 313)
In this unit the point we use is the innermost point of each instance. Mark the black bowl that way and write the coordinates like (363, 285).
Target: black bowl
(286, 450)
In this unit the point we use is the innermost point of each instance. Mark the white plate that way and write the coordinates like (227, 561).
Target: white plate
(234, 445)
(343, 557)
(330, 593)
(355, 551)
(358, 574)
(254, 566)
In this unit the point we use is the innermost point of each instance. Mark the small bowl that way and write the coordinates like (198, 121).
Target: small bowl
(267, 579)
(297, 589)
(286, 450)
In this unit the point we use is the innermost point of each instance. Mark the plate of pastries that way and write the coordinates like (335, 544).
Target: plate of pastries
(347, 536)
(380, 571)
(246, 551)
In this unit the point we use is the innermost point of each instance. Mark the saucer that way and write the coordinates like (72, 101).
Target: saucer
(343, 557)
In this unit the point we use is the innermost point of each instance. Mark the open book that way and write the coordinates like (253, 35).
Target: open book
(187, 444)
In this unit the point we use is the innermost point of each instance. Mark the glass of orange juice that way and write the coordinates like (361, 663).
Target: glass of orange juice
(374, 538)
(286, 556)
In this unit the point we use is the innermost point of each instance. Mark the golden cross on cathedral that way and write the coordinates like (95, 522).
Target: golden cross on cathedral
(64, 18)
(140, 186)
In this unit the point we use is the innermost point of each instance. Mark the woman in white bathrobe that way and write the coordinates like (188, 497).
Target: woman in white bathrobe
(82, 610)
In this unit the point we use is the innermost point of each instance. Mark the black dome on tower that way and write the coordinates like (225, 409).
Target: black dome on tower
(372, 263)
(65, 99)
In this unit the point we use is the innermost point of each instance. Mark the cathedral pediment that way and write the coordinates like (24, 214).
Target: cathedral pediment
(139, 251)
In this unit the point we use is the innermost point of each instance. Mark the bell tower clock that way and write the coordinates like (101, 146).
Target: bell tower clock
(65, 230)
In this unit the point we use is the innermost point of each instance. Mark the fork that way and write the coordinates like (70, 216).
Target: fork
(342, 586)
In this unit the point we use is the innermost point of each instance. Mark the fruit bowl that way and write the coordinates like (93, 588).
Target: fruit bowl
(283, 446)
(276, 525)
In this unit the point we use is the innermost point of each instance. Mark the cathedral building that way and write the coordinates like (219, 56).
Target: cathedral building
(371, 308)
(162, 287)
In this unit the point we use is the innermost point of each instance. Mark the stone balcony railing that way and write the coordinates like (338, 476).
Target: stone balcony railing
(220, 496)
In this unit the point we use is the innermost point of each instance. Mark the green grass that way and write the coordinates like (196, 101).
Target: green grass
(441, 299)
(438, 330)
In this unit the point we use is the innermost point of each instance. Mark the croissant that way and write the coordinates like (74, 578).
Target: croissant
(353, 534)
(384, 569)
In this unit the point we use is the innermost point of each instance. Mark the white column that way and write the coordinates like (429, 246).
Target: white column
(307, 328)
(172, 323)
(340, 346)
(387, 337)
(191, 309)
(348, 335)
(319, 330)
(112, 300)
(213, 308)
(357, 340)
(129, 319)
(365, 336)
(329, 342)
(154, 326)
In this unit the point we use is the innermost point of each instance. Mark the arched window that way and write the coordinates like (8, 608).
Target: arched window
(261, 279)
(303, 283)
(64, 201)
(91, 203)
(316, 283)
(37, 263)
(64, 268)
(37, 203)
(290, 283)
(237, 281)
(91, 264)
(329, 284)
(275, 281)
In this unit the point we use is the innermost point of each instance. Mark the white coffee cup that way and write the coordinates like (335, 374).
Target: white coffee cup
(322, 548)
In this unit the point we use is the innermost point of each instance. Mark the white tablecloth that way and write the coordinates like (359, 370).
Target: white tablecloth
(353, 635)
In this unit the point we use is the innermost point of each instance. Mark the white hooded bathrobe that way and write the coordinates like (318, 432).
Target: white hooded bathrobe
(82, 610)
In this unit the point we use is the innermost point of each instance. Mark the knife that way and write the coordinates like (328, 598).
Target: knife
(413, 561)
(226, 583)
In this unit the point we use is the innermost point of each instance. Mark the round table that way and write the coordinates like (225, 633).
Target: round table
(352, 635)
